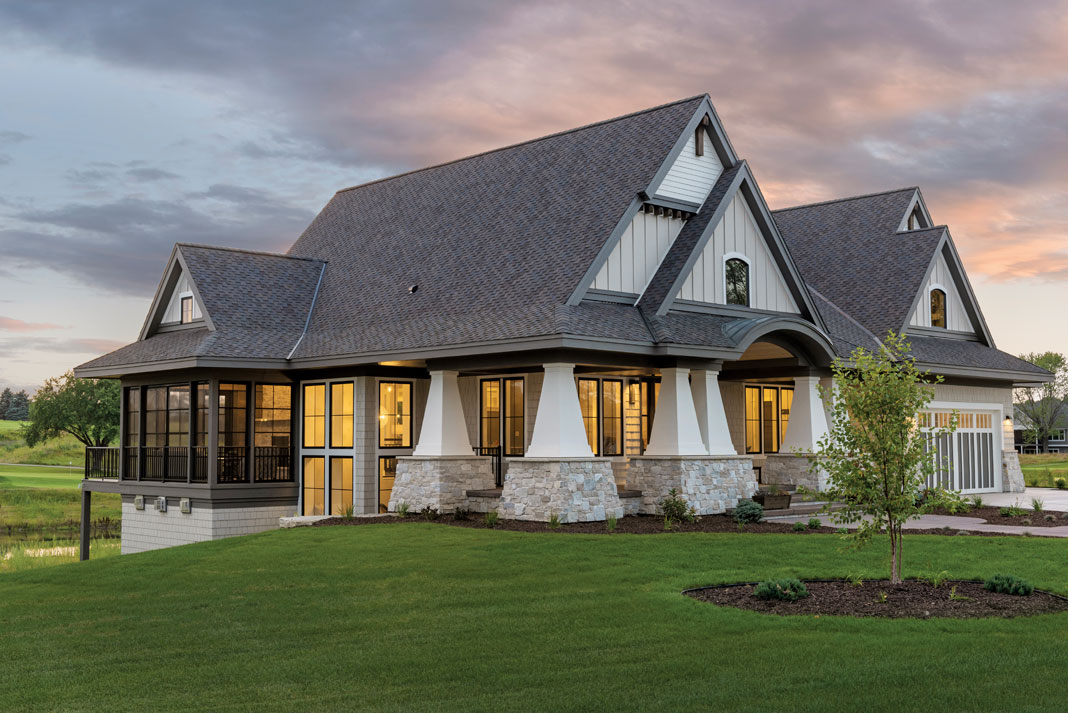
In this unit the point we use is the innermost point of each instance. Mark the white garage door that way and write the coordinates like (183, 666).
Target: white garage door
(968, 460)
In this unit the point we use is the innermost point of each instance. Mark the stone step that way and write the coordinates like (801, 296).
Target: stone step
(796, 509)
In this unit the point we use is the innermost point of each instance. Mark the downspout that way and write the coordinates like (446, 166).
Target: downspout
(311, 308)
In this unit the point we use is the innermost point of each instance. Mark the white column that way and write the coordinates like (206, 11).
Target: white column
(711, 417)
(675, 429)
(444, 431)
(558, 428)
(808, 420)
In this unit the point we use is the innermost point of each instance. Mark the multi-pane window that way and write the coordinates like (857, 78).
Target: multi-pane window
(132, 431)
(736, 281)
(395, 414)
(156, 416)
(767, 414)
(588, 402)
(612, 422)
(340, 485)
(233, 415)
(501, 415)
(202, 403)
(314, 485)
(616, 420)
(314, 415)
(187, 310)
(273, 412)
(637, 412)
(938, 308)
(341, 415)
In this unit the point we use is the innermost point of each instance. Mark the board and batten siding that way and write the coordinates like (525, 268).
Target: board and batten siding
(184, 288)
(691, 177)
(737, 232)
(956, 318)
(637, 255)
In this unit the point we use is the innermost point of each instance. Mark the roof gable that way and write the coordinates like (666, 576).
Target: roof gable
(963, 314)
(177, 282)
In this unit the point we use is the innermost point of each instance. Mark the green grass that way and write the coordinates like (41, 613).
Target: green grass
(64, 450)
(31, 476)
(41, 497)
(35, 554)
(421, 617)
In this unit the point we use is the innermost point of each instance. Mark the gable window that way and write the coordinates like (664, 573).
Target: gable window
(187, 309)
(938, 308)
(736, 281)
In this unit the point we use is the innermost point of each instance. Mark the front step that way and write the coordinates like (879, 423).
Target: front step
(799, 509)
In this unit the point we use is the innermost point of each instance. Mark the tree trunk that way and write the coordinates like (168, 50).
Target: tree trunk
(894, 578)
(900, 542)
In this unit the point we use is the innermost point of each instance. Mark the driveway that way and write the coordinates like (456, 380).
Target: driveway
(1052, 499)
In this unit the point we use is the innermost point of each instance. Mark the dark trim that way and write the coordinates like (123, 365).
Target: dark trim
(411, 419)
(690, 209)
(597, 418)
(626, 298)
(326, 415)
(728, 310)
(179, 326)
(943, 333)
(602, 255)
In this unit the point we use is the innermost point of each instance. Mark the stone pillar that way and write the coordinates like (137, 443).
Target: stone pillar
(558, 429)
(808, 420)
(711, 418)
(444, 431)
(675, 429)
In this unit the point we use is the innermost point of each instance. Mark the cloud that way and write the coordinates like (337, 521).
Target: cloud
(150, 174)
(45, 345)
(11, 324)
(8, 138)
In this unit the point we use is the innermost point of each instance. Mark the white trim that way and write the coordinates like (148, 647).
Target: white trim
(945, 306)
(748, 277)
(996, 427)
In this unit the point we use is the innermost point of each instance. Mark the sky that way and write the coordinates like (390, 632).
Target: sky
(129, 125)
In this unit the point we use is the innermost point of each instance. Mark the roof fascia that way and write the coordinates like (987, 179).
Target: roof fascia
(176, 265)
(1017, 377)
(602, 256)
(964, 287)
(923, 284)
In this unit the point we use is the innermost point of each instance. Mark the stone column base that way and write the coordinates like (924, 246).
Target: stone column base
(1012, 479)
(711, 484)
(575, 490)
(440, 482)
(793, 469)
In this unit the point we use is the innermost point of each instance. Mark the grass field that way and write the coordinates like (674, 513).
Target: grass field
(65, 450)
(420, 617)
(44, 497)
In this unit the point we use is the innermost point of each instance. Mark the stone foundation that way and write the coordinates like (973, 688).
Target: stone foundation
(151, 529)
(579, 490)
(711, 484)
(1012, 479)
(785, 469)
(440, 482)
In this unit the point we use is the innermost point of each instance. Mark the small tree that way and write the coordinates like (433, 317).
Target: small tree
(19, 410)
(1046, 405)
(875, 454)
(88, 409)
(5, 403)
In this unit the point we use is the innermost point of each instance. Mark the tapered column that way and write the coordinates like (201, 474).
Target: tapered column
(444, 431)
(711, 417)
(808, 420)
(675, 428)
(558, 428)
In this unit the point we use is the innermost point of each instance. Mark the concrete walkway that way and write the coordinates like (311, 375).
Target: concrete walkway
(955, 522)
(1052, 499)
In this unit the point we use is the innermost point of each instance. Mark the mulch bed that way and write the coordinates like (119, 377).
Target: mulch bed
(1030, 518)
(910, 599)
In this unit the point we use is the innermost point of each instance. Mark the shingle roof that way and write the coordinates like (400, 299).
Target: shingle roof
(958, 352)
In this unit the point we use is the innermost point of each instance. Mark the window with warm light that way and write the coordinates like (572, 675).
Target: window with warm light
(395, 414)
(314, 490)
(588, 402)
(501, 416)
(273, 413)
(340, 485)
(767, 414)
(314, 415)
(341, 415)
(187, 310)
(612, 422)
(938, 308)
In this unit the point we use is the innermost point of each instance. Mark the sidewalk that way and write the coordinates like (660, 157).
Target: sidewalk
(1052, 499)
(971, 524)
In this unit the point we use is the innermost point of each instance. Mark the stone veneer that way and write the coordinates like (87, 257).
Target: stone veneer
(576, 490)
(711, 484)
(151, 529)
(787, 469)
(1012, 479)
(440, 482)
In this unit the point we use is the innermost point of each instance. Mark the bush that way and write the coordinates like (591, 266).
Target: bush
(1011, 511)
(1061, 483)
(554, 521)
(674, 508)
(430, 514)
(748, 511)
(977, 501)
(461, 514)
(798, 527)
(402, 509)
(787, 590)
(610, 523)
(1008, 584)
(1037, 504)
(814, 523)
(491, 518)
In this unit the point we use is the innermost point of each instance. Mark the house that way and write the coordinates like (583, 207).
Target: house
(1025, 443)
(569, 326)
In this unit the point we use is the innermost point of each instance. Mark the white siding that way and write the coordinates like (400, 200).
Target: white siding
(956, 317)
(174, 306)
(691, 177)
(737, 232)
(641, 247)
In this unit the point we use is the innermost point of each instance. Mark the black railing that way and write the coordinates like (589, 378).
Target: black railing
(132, 454)
(271, 464)
(233, 466)
(199, 473)
(102, 462)
(166, 464)
(494, 452)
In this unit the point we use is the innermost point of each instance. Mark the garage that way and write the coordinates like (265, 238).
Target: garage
(969, 459)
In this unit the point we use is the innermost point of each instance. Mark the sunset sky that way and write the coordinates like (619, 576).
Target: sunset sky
(128, 126)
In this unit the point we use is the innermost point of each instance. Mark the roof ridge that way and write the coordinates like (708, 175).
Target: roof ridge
(248, 252)
(524, 143)
(848, 198)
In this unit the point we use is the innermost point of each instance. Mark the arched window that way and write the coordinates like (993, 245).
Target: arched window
(736, 279)
(938, 308)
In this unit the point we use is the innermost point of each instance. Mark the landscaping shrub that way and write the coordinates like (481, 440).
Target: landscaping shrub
(748, 511)
(554, 521)
(787, 590)
(429, 513)
(1008, 584)
(1036, 504)
(1011, 511)
(610, 523)
(977, 501)
(674, 508)
(814, 523)
(461, 514)
(1061, 483)
(491, 518)
(402, 509)
(798, 527)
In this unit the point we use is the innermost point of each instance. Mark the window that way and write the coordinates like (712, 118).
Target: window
(612, 425)
(938, 308)
(340, 485)
(616, 425)
(587, 393)
(314, 415)
(767, 414)
(736, 281)
(187, 310)
(387, 473)
(156, 416)
(341, 415)
(505, 420)
(637, 409)
(132, 431)
(314, 486)
(394, 414)
(273, 413)
(233, 415)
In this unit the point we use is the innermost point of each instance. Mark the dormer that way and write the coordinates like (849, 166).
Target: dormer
(916, 216)
(178, 303)
(183, 307)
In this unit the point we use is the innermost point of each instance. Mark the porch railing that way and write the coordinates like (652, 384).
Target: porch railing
(102, 462)
(271, 464)
(494, 452)
(232, 464)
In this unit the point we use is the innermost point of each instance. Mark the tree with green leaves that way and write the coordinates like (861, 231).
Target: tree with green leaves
(1044, 406)
(88, 409)
(5, 403)
(875, 453)
(19, 410)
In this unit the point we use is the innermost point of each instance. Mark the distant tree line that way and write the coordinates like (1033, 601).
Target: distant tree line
(14, 406)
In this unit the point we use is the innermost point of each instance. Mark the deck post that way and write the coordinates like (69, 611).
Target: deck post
(83, 545)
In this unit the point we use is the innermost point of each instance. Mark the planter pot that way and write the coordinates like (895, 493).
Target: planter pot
(773, 502)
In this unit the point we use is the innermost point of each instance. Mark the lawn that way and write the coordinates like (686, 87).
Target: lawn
(40, 497)
(421, 617)
(65, 450)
